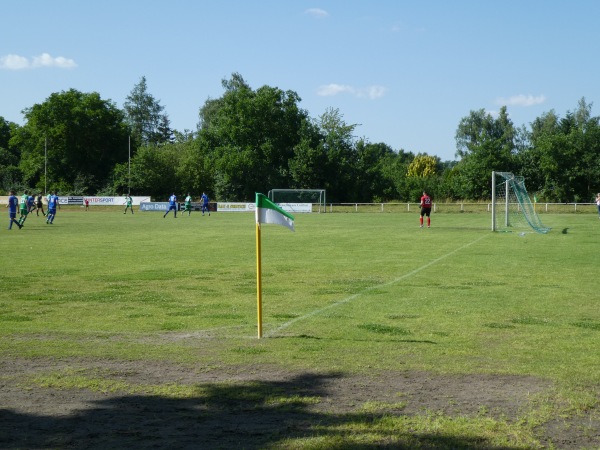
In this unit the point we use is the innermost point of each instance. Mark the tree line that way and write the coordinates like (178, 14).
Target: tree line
(253, 140)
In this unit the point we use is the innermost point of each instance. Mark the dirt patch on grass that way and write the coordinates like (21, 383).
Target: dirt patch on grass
(244, 407)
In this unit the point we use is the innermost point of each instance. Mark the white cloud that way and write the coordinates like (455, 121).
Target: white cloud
(16, 62)
(328, 90)
(521, 100)
(317, 12)
(370, 92)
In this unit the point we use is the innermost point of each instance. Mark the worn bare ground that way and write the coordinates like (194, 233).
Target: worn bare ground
(231, 411)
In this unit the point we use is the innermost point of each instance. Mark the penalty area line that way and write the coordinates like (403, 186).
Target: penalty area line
(366, 290)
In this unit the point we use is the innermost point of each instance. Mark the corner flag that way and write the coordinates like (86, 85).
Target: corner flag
(269, 212)
(266, 212)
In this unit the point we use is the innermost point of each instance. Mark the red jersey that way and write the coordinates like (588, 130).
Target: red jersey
(426, 201)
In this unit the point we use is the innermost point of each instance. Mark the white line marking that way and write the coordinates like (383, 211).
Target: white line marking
(364, 291)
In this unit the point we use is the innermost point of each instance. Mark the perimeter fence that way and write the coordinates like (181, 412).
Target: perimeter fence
(453, 208)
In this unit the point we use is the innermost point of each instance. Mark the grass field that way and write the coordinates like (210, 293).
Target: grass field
(368, 296)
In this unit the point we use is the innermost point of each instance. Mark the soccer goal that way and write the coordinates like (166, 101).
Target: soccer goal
(314, 196)
(511, 206)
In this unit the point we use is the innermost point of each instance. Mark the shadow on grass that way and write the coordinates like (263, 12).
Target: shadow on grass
(252, 415)
(318, 338)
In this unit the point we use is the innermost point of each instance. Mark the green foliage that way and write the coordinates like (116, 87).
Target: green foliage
(10, 175)
(423, 166)
(373, 181)
(308, 166)
(153, 171)
(5, 126)
(342, 158)
(562, 159)
(253, 140)
(85, 136)
(484, 144)
(145, 117)
(252, 136)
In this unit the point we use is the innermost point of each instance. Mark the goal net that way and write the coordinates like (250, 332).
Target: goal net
(511, 206)
(314, 196)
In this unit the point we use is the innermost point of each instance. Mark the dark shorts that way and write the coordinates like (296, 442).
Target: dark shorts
(425, 211)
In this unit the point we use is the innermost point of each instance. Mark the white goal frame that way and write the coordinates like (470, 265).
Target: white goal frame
(322, 198)
(515, 206)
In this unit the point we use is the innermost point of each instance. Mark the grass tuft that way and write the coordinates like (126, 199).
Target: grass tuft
(384, 329)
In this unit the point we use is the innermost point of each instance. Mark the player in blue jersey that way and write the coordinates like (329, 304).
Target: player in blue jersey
(13, 201)
(172, 206)
(30, 203)
(52, 205)
(204, 200)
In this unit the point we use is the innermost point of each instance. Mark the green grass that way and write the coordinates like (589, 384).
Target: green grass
(348, 293)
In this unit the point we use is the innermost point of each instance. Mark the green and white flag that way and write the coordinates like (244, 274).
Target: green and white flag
(269, 212)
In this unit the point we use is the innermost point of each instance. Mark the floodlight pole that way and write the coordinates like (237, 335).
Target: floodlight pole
(45, 165)
(507, 203)
(129, 176)
(493, 201)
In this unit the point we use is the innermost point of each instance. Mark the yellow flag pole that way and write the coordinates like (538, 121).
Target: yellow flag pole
(258, 280)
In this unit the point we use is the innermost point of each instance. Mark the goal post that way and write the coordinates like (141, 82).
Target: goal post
(511, 206)
(314, 196)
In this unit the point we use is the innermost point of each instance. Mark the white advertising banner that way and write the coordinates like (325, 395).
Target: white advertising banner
(113, 201)
(235, 207)
(250, 207)
(80, 200)
(146, 204)
(296, 207)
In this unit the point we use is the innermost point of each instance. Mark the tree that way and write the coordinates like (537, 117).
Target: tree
(423, 166)
(338, 142)
(86, 137)
(484, 144)
(194, 170)
(164, 134)
(396, 171)
(144, 114)
(308, 165)
(10, 174)
(372, 182)
(4, 132)
(422, 175)
(153, 172)
(562, 159)
(252, 136)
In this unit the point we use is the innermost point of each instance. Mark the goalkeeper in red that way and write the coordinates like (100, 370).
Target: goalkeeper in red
(425, 209)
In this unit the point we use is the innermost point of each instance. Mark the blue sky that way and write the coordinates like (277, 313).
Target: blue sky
(405, 71)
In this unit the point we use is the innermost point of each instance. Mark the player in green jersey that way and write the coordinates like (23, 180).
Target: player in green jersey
(24, 207)
(188, 205)
(128, 203)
